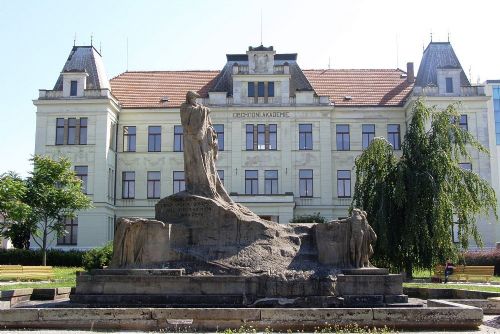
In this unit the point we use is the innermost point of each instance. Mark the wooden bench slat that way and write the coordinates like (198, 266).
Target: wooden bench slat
(466, 273)
(26, 272)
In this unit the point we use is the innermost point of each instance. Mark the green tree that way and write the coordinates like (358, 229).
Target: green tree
(14, 210)
(413, 201)
(54, 193)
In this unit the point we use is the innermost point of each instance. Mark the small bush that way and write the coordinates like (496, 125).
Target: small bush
(30, 257)
(308, 219)
(97, 258)
(483, 258)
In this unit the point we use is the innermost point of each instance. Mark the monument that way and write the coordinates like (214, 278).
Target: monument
(205, 249)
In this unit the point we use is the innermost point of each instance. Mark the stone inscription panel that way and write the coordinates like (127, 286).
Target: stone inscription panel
(172, 211)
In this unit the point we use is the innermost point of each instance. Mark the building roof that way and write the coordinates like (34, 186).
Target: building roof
(361, 87)
(385, 87)
(145, 89)
(438, 55)
(224, 82)
(85, 59)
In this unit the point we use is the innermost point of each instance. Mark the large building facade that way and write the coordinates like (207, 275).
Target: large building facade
(288, 137)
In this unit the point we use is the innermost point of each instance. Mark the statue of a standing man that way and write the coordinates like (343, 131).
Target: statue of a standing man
(200, 151)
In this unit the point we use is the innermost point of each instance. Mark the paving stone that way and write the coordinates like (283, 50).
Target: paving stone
(326, 314)
(207, 313)
(95, 314)
(12, 315)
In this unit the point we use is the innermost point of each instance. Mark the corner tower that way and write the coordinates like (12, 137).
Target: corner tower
(77, 120)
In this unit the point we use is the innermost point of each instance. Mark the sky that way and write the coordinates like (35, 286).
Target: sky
(37, 37)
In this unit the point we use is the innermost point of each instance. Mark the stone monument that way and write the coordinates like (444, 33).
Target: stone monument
(205, 249)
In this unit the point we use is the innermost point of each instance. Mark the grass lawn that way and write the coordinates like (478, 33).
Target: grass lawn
(487, 288)
(426, 274)
(63, 277)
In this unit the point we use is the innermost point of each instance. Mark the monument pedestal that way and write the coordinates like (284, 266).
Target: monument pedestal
(171, 287)
(369, 287)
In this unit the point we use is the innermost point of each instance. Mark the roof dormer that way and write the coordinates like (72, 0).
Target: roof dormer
(261, 60)
(448, 80)
(74, 83)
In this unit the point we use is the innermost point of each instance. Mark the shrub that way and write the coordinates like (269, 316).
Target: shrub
(308, 219)
(483, 258)
(30, 257)
(97, 258)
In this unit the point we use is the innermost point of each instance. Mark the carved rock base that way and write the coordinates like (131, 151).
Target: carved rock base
(230, 236)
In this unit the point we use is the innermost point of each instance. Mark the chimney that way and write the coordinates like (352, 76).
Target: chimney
(410, 74)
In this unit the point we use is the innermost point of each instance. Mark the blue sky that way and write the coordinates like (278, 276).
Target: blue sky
(37, 37)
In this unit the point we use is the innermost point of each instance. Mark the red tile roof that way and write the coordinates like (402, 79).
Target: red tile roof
(146, 89)
(366, 87)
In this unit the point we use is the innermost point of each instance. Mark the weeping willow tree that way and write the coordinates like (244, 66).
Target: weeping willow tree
(413, 201)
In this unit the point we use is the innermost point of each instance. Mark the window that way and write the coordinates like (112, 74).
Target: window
(154, 138)
(270, 182)
(220, 172)
(111, 183)
(305, 137)
(343, 137)
(261, 137)
(449, 85)
(343, 183)
(153, 184)
(128, 185)
(129, 138)
(74, 88)
(83, 131)
(219, 129)
(71, 131)
(270, 89)
(251, 89)
(82, 173)
(496, 109)
(273, 137)
(251, 182)
(70, 236)
(260, 89)
(394, 136)
(112, 138)
(463, 123)
(368, 134)
(306, 183)
(178, 138)
(60, 131)
(179, 182)
(465, 165)
(249, 137)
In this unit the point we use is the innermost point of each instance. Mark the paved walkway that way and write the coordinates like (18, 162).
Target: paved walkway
(491, 325)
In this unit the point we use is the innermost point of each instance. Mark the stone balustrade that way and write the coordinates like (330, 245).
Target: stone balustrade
(464, 91)
(44, 94)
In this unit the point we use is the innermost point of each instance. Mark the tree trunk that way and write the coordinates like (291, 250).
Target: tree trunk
(44, 245)
(409, 270)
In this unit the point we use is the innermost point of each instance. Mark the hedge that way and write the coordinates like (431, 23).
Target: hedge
(55, 257)
(308, 219)
(98, 258)
(484, 258)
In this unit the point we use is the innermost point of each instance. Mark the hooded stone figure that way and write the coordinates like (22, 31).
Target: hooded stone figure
(200, 151)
